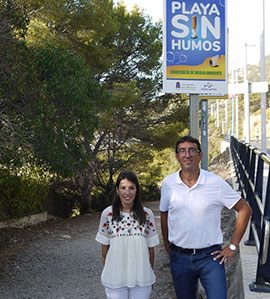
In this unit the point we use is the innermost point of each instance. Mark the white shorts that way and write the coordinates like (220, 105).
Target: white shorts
(136, 292)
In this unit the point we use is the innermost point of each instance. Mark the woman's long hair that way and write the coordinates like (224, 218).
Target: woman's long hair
(137, 208)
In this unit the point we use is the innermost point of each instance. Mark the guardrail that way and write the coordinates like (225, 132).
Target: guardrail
(253, 176)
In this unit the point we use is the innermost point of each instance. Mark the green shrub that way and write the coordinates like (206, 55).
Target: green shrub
(21, 195)
(100, 201)
(150, 192)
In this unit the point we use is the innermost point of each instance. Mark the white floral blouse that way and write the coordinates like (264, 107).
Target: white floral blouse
(127, 261)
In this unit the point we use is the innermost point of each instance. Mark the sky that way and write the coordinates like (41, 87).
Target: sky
(244, 21)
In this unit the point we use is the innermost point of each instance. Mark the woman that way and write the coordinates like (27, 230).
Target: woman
(127, 234)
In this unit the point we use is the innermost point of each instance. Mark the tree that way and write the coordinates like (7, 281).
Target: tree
(49, 102)
(18, 83)
(66, 114)
(66, 117)
(139, 116)
(83, 27)
(134, 132)
(123, 51)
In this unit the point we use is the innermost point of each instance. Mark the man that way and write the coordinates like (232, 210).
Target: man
(191, 203)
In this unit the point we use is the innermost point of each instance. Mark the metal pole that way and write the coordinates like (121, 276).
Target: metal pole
(194, 115)
(212, 109)
(233, 105)
(246, 101)
(236, 109)
(263, 95)
(226, 117)
(233, 112)
(217, 101)
(237, 117)
(204, 133)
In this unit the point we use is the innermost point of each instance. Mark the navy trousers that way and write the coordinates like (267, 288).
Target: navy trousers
(187, 269)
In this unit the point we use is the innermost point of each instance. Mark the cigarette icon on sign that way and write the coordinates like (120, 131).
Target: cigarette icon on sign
(194, 27)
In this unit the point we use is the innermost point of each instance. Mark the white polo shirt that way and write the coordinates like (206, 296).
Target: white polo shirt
(194, 214)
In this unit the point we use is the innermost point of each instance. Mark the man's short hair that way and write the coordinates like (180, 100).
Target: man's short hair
(188, 139)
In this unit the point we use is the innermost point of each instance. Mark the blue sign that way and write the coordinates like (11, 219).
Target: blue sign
(194, 49)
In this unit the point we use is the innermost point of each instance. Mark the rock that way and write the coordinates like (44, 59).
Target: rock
(66, 237)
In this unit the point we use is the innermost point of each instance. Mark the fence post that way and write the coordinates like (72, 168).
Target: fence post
(236, 162)
(252, 166)
(242, 169)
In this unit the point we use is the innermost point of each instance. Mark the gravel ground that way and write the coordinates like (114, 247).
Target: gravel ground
(61, 259)
(58, 259)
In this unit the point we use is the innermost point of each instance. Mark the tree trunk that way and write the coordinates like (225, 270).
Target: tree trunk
(86, 189)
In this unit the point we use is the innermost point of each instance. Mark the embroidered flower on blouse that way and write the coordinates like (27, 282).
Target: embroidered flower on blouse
(128, 226)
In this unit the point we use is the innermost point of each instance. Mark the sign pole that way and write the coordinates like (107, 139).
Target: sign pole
(194, 115)
(204, 133)
(195, 53)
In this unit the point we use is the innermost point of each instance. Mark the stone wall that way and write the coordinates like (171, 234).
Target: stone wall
(25, 221)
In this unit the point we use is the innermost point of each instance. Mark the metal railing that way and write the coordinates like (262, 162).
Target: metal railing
(253, 176)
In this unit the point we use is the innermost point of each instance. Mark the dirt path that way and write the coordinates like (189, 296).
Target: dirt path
(62, 260)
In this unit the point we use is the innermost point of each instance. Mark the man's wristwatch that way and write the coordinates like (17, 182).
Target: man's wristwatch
(232, 247)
